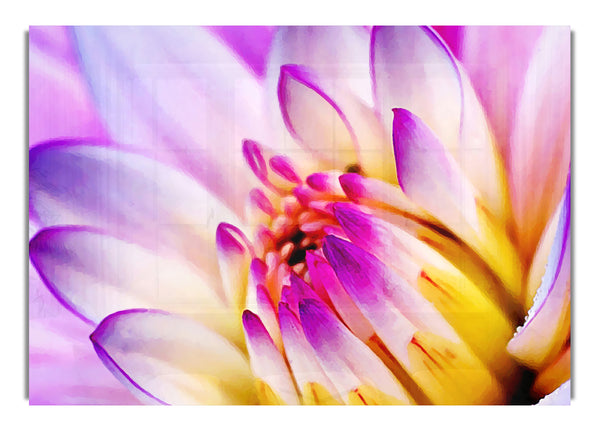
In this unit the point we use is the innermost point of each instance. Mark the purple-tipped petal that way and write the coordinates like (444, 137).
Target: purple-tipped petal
(94, 274)
(266, 360)
(389, 303)
(323, 277)
(430, 177)
(262, 202)
(413, 69)
(326, 182)
(234, 252)
(172, 359)
(300, 354)
(128, 195)
(314, 119)
(347, 361)
(268, 313)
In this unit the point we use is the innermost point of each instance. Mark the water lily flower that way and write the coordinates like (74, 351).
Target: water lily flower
(316, 215)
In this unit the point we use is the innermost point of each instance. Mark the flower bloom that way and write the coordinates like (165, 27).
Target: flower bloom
(393, 229)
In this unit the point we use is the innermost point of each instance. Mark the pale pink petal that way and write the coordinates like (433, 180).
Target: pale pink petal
(94, 275)
(540, 149)
(266, 360)
(60, 103)
(496, 59)
(63, 367)
(547, 326)
(129, 195)
(178, 93)
(314, 119)
(347, 361)
(303, 361)
(164, 358)
(413, 69)
(430, 177)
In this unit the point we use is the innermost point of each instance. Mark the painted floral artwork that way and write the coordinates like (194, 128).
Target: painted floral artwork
(299, 215)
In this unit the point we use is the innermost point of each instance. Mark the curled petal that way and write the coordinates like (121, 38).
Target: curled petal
(170, 359)
(547, 326)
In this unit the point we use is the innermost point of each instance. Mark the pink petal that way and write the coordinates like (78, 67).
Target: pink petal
(170, 359)
(251, 43)
(314, 119)
(234, 253)
(266, 360)
(63, 367)
(496, 59)
(540, 141)
(302, 359)
(94, 275)
(430, 177)
(388, 302)
(128, 195)
(60, 104)
(414, 70)
(547, 326)
(347, 361)
(179, 93)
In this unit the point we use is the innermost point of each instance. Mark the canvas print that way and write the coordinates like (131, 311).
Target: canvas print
(299, 215)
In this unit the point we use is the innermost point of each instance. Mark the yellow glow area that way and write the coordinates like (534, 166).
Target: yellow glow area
(266, 395)
(478, 321)
(449, 373)
(366, 395)
(315, 394)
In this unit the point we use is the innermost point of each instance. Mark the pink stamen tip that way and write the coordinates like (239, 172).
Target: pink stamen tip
(253, 155)
(352, 185)
(318, 182)
(283, 167)
(260, 200)
(231, 239)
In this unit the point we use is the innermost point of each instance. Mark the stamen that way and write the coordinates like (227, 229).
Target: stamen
(253, 155)
(261, 201)
(282, 166)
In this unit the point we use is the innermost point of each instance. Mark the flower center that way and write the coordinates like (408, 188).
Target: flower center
(293, 215)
